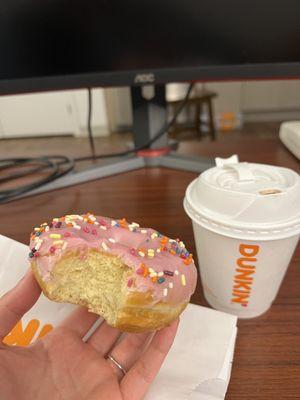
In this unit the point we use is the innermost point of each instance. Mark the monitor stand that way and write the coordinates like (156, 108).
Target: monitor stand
(149, 116)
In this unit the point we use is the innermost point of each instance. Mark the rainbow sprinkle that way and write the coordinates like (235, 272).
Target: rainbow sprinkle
(130, 282)
(58, 242)
(55, 235)
(104, 246)
(90, 225)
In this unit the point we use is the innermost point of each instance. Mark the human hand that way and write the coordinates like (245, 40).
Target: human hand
(60, 366)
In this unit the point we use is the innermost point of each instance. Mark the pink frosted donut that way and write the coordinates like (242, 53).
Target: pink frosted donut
(136, 278)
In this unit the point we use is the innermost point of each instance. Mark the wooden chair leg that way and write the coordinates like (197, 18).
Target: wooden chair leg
(212, 129)
(198, 126)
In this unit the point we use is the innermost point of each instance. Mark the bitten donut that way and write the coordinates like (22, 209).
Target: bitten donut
(137, 279)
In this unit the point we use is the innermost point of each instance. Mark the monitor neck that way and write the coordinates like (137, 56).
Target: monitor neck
(149, 110)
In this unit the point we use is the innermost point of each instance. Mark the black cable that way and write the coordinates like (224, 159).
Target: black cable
(160, 133)
(59, 166)
(13, 164)
(52, 163)
(89, 123)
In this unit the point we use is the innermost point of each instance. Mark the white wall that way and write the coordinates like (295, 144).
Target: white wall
(35, 114)
(100, 118)
(66, 112)
(256, 101)
(119, 108)
(271, 100)
(54, 113)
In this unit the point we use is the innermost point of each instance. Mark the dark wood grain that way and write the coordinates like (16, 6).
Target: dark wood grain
(267, 357)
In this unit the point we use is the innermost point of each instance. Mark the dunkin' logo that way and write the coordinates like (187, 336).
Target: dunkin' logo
(244, 274)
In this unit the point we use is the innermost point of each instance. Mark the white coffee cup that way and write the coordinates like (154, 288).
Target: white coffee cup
(246, 221)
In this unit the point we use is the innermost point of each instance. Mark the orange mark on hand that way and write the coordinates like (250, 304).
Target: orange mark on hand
(23, 337)
(45, 330)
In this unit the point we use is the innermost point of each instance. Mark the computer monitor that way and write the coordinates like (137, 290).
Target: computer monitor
(66, 44)
(69, 44)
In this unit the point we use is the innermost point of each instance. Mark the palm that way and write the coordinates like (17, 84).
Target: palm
(66, 367)
(62, 366)
(77, 365)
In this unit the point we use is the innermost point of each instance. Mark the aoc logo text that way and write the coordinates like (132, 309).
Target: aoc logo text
(144, 78)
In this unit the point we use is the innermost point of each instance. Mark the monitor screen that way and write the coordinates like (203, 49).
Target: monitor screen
(53, 44)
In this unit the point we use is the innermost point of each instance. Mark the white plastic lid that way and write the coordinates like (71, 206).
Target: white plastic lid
(248, 201)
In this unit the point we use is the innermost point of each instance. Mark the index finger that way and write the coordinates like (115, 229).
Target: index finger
(138, 379)
(15, 303)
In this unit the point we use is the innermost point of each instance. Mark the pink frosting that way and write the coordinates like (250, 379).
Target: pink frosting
(160, 265)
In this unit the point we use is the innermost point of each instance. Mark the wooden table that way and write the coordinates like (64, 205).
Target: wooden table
(267, 356)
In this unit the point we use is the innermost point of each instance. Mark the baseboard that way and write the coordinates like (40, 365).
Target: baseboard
(98, 131)
(271, 115)
(247, 116)
(120, 128)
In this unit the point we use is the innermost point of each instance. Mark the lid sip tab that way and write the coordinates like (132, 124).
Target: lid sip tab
(220, 162)
(242, 169)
